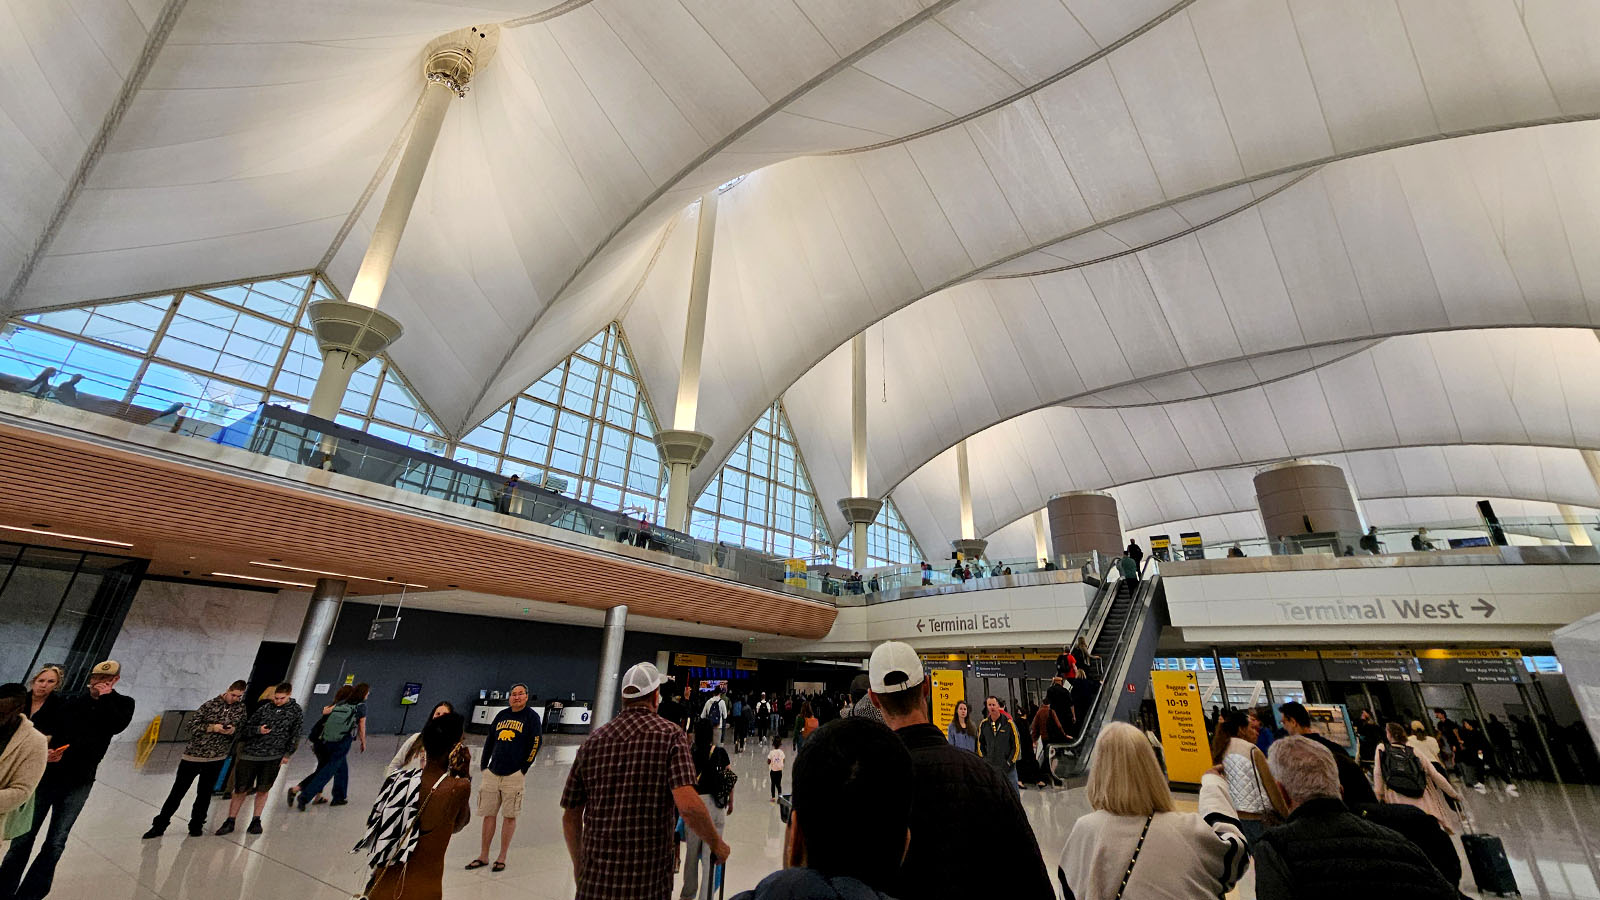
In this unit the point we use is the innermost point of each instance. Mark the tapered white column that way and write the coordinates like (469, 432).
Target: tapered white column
(859, 509)
(351, 332)
(1041, 537)
(1576, 533)
(682, 447)
(968, 545)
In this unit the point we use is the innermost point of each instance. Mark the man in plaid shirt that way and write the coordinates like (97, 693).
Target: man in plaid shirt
(631, 780)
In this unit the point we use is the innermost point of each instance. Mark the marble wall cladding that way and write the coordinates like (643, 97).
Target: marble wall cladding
(182, 644)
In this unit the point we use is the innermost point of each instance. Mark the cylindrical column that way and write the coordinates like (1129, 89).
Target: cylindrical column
(1305, 496)
(858, 546)
(694, 328)
(678, 496)
(964, 481)
(1083, 522)
(605, 689)
(316, 630)
(1576, 533)
(1041, 537)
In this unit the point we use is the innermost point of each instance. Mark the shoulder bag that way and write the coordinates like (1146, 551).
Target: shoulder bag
(1128, 873)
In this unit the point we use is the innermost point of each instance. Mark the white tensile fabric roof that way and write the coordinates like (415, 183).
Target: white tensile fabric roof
(1114, 242)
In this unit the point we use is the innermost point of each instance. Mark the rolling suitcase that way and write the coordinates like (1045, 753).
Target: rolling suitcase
(1490, 868)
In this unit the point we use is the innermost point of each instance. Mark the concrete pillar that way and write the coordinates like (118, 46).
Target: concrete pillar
(1292, 493)
(968, 545)
(1576, 533)
(316, 630)
(858, 504)
(351, 332)
(682, 447)
(1041, 537)
(606, 688)
(1083, 522)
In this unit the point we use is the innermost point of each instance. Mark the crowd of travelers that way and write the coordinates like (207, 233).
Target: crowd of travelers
(876, 785)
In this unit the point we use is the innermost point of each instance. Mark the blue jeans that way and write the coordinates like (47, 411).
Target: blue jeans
(1011, 776)
(335, 769)
(62, 803)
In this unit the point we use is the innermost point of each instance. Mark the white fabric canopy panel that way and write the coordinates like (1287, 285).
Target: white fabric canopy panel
(1529, 387)
(1448, 235)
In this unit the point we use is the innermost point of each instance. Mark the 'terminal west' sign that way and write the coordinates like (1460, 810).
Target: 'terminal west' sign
(1392, 609)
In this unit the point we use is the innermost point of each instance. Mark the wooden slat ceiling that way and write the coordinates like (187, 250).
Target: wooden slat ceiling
(193, 521)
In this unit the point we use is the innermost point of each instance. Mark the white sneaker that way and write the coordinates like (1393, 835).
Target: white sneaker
(1512, 790)
(1480, 788)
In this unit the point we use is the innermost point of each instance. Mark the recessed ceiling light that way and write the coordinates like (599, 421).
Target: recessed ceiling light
(40, 529)
(268, 580)
(390, 580)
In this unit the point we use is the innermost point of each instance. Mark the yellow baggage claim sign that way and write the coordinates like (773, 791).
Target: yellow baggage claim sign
(1183, 725)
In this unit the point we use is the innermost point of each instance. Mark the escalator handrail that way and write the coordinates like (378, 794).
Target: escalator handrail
(1095, 614)
(1141, 600)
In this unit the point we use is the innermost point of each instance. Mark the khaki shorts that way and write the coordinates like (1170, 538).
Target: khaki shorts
(501, 795)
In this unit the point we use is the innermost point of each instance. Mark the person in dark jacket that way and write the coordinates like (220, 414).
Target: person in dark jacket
(1420, 829)
(850, 824)
(271, 735)
(952, 785)
(1369, 541)
(1058, 696)
(213, 729)
(998, 742)
(1326, 852)
(1352, 781)
(1136, 552)
(85, 725)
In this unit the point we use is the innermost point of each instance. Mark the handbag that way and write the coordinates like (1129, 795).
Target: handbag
(1128, 873)
(20, 820)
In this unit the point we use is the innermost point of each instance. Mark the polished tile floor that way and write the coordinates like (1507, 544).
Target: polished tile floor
(1551, 834)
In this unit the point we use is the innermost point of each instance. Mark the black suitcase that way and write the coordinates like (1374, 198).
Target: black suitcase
(1490, 868)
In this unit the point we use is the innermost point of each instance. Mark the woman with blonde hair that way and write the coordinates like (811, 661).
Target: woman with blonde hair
(42, 698)
(1135, 844)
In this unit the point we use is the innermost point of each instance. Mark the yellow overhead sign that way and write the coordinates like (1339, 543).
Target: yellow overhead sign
(1494, 653)
(1278, 654)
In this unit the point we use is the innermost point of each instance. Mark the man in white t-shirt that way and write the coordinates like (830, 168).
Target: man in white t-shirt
(718, 711)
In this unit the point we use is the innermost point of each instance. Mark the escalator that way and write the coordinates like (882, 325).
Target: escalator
(1123, 627)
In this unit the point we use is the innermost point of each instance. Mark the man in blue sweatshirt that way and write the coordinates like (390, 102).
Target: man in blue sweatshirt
(513, 743)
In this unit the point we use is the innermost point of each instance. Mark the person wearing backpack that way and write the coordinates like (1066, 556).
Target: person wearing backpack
(716, 710)
(339, 730)
(714, 783)
(1399, 775)
(406, 849)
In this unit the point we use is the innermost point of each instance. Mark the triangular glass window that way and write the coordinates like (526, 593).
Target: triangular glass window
(217, 351)
(889, 542)
(762, 497)
(585, 429)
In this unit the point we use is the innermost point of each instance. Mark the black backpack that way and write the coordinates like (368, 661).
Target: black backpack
(1402, 772)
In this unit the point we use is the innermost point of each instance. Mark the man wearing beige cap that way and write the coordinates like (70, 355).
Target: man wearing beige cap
(952, 785)
(631, 780)
(85, 725)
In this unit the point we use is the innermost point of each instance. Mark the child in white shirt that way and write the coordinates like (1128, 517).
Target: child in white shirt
(775, 767)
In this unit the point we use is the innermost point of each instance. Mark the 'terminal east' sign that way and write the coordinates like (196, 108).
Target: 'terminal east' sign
(954, 624)
(1393, 609)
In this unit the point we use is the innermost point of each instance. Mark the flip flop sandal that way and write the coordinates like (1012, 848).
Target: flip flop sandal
(477, 864)
(498, 867)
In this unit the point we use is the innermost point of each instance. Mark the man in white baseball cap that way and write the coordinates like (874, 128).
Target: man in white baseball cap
(631, 780)
(951, 785)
